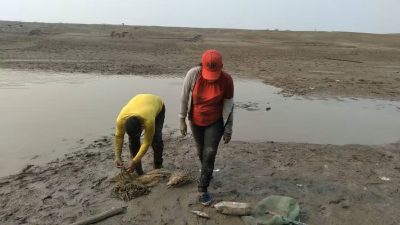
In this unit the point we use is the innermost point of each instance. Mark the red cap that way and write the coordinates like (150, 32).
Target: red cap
(211, 62)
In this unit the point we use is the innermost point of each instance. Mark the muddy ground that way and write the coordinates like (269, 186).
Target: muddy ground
(305, 63)
(350, 184)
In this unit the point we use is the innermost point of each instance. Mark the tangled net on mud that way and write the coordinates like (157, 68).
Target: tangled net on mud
(129, 185)
(129, 190)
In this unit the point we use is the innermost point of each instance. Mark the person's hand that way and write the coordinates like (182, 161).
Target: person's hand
(131, 166)
(227, 138)
(183, 127)
(118, 163)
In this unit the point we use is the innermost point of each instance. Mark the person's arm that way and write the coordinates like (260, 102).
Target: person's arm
(119, 139)
(185, 96)
(186, 92)
(149, 129)
(228, 106)
(228, 103)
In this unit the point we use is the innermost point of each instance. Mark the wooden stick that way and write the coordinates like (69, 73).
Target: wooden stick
(101, 216)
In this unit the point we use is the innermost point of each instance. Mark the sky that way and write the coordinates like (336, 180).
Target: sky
(370, 16)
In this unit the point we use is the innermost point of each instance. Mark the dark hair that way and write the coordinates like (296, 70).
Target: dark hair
(133, 127)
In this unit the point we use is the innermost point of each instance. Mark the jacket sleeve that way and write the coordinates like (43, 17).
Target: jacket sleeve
(149, 129)
(119, 138)
(187, 84)
(228, 107)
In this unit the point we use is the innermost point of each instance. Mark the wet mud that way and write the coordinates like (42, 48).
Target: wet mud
(351, 184)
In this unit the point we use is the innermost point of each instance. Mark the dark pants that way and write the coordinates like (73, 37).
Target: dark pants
(207, 139)
(157, 144)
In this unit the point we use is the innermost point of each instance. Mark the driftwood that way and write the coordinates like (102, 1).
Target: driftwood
(101, 216)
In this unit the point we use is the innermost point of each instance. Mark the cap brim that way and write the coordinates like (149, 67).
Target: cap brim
(210, 75)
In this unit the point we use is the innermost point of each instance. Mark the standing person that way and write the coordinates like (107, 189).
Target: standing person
(143, 112)
(207, 100)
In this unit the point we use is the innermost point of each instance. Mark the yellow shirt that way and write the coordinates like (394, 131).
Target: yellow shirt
(145, 107)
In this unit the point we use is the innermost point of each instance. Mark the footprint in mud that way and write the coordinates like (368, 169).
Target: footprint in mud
(98, 182)
(216, 184)
(100, 143)
(54, 202)
(322, 209)
(342, 202)
(81, 141)
(35, 157)
(291, 163)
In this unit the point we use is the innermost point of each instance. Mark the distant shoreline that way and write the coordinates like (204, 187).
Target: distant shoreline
(200, 28)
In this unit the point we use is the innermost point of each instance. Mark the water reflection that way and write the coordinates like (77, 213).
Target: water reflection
(46, 112)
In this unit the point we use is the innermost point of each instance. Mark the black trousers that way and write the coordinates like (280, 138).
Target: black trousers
(157, 143)
(207, 139)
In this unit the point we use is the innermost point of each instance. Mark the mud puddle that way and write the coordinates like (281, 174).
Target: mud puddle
(44, 115)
